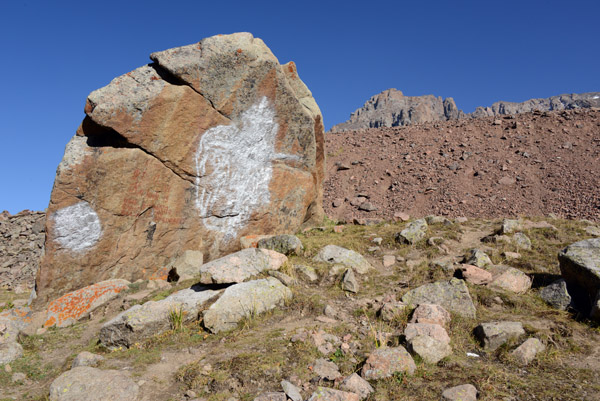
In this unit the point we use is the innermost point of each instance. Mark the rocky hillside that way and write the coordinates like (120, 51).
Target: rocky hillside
(391, 108)
(538, 163)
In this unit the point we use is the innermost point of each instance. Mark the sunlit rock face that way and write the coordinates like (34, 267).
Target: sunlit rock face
(211, 142)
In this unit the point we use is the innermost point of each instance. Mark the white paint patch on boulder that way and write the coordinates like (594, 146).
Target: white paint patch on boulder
(234, 169)
(77, 227)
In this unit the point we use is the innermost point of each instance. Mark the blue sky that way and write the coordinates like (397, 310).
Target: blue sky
(54, 53)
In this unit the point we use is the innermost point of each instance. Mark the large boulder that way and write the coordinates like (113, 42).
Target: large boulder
(240, 266)
(580, 266)
(453, 295)
(245, 300)
(212, 142)
(154, 317)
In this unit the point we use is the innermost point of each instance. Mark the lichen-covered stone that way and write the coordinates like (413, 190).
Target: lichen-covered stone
(350, 283)
(580, 265)
(430, 313)
(85, 383)
(413, 233)
(384, 362)
(245, 300)
(71, 307)
(494, 334)
(477, 257)
(429, 349)
(240, 266)
(453, 295)
(521, 241)
(285, 243)
(330, 394)
(334, 254)
(10, 351)
(556, 294)
(509, 226)
(153, 317)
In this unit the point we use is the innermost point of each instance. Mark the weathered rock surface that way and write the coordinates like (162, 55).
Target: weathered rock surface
(350, 283)
(464, 392)
(241, 266)
(556, 294)
(307, 273)
(334, 254)
(188, 264)
(326, 369)
(392, 310)
(432, 314)
(521, 241)
(71, 307)
(477, 257)
(453, 295)
(245, 300)
(21, 247)
(474, 275)
(511, 279)
(493, 334)
(413, 233)
(429, 349)
(86, 358)
(85, 383)
(384, 362)
(580, 265)
(285, 243)
(357, 385)
(9, 351)
(291, 391)
(142, 321)
(434, 331)
(329, 394)
(271, 396)
(158, 166)
(526, 352)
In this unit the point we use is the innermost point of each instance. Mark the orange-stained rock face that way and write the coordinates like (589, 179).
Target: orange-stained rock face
(205, 146)
(72, 306)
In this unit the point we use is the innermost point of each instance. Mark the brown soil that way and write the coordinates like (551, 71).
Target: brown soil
(529, 164)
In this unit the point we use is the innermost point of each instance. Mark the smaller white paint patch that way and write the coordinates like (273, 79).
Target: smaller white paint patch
(75, 151)
(77, 227)
(596, 97)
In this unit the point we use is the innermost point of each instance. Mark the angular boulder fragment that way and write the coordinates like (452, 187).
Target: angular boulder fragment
(453, 295)
(285, 243)
(556, 294)
(357, 385)
(154, 317)
(334, 254)
(580, 266)
(245, 300)
(526, 352)
(329, 394)
(211, 142)
(474, 275)
(240, 266)
(384, 362)
(477, 257)
(85, 383)
(413, 233)
(494, 334)
(71, 307)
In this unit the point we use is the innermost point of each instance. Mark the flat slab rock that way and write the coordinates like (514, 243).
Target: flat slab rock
(240, 266)
(85, 383)
(452, 295)
(384, 362)
(142, 321)
(580, 265)
(334, 254)
(68, 309)
(245, 300)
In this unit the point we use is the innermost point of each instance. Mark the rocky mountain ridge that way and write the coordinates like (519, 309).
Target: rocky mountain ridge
(391, 108)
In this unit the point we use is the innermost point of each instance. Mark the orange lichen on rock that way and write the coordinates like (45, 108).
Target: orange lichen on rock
(71, 307)
(160, 274)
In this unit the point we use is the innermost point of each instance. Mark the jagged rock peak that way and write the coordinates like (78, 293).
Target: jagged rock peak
(392, 108)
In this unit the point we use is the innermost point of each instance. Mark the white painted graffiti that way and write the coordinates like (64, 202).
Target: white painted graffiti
(77, 227)
(234, 169)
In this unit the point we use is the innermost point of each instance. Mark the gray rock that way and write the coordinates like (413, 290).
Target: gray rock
(334, 254)
(453, 295)
(270, 396)
(413, 233)
(286, 244)
(431, 220)
(10, 351)
(329, 394)
(357, 385)
(240, 266)
(435, 331)
(494, 334)
(526, 352)
(392, 310)
(18, 377)
(521, 241)
(245, 300)
(429, 313)
(556, 294)
(291, 391)
(284, 278)
(580, 265)
(509, 226)
(477, 257)
(307, 273)
(326, 369)
(86, 358)
(188, 264)
(384, 362)
(464, 392)
(349, 282)
(85, 383)
(429, 349)
(593, 230)
(142, 321)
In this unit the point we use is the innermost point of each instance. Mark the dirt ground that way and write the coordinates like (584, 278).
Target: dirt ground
(531, 164)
